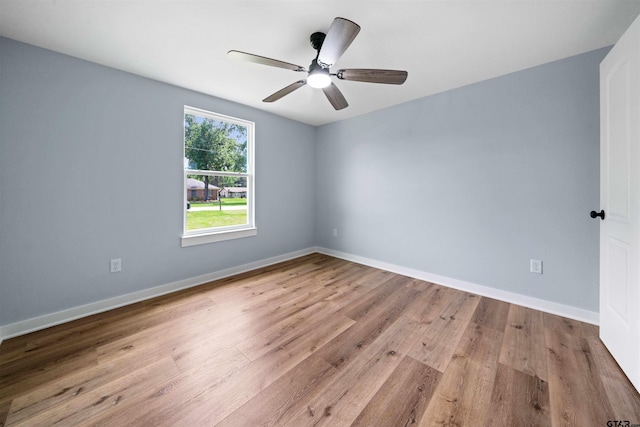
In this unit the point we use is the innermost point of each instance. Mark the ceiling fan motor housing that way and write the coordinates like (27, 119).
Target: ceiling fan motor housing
(317, 39)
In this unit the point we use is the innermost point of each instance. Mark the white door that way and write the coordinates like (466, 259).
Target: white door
(620, 199)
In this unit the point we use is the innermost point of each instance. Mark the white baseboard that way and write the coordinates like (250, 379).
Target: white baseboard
(499, 294)
(37, 323)
(48, 320)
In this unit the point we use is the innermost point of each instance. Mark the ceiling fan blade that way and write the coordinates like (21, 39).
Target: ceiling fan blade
(335, 97)
(392, 77)
(250, 57)
(340, 35)
(284, 91)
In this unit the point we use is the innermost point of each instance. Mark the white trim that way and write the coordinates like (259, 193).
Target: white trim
(37, 323)
(218, 236)
(48, 320)
(563, 310)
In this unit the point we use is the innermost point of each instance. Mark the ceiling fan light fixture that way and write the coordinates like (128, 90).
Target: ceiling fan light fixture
(319, 78)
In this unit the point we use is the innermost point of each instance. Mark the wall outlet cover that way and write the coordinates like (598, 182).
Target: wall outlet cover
(536, 266)
(116, 265)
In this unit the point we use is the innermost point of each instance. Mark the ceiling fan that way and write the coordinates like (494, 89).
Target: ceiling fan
(330, 47)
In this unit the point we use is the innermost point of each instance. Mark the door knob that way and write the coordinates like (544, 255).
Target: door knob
(595, 214)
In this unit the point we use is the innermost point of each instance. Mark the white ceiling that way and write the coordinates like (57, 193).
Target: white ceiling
(442, 44)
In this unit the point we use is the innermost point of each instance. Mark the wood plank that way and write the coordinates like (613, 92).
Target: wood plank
(375, 298)
(4, 412)
(125, 322)
(355, 289)
(13, 348)
(523, 346)
(286, 395)
(300, 282)
(238, 329)
(444, 330)
(439, 298)
(214, 329)
(403, 398)
(153, 405)
(258, 375)
(24, 375)
(575, 387)
(519, 399)
(438, 344)
(239, 287)
(492, 314)
(109, 398)
(330, 272)
(464, 393)
(260, 344)
(462, 306)
(191, 401)
(569, 326)
(75, 339)
(347, 346)
(415, 308)
(238, 294)
(79, 382)
(340, 402)
(158, 340)
(623, 397)
(399, 301)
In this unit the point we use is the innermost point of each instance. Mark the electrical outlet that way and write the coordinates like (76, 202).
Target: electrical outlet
(335, 232)
(116, 265)
(536, 266)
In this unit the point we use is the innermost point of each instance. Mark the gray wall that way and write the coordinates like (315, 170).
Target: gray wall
(91, 169)
(474, 182)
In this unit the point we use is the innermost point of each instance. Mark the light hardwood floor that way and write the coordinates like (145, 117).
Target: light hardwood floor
(315, 341)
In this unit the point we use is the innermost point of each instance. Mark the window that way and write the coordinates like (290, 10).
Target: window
(218, 178)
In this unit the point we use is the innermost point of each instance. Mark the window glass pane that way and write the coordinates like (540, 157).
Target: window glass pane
(214, 145)
(216, 201)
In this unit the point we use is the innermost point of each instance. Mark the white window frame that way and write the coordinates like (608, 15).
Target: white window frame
(219, 234)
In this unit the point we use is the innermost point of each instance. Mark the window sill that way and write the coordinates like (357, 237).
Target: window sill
(221, 236)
